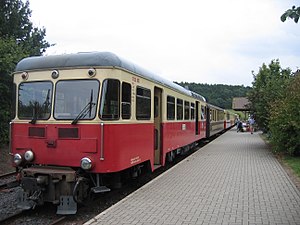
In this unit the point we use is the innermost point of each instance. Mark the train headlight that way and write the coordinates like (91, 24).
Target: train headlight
(55, 74)
(24, 75)
(86, 163)
(29, 156)
(18, 159)
(92, 72)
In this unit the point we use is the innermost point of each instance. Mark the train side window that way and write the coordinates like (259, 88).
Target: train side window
(110, 101)
(179, 109)
(202, 112)
(186, 110)
(170, 108)
(192, 111)
(143, 103)
(126, 101)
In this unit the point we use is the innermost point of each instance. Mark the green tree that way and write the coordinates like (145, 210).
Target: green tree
(268, 86)
(285, 119)
(18, 39)
(292, 13)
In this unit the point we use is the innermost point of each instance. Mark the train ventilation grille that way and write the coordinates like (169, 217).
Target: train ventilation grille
(68, 133)
(37, 132)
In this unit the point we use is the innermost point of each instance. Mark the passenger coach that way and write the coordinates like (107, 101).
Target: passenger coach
(85, 120)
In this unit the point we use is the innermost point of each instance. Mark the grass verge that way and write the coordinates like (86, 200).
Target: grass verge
(294, 163)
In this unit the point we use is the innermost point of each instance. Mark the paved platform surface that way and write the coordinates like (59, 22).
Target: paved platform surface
(232, 180)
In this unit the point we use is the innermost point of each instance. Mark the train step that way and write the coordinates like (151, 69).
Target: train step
(156, 166)
(100, 189)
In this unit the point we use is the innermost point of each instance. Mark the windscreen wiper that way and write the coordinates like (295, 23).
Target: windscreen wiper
(37, 108)
(34, 116)
(87, 109)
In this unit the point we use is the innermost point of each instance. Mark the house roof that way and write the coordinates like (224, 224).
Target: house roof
(240, 104)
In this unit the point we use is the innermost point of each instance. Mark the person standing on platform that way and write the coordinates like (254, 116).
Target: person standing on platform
(251, 122)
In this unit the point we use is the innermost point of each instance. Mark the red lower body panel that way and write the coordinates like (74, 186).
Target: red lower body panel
(111, 147)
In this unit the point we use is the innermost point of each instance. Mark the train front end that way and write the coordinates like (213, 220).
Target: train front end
(55, 136)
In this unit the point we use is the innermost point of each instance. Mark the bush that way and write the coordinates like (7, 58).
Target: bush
(269, 85)
(285, 120)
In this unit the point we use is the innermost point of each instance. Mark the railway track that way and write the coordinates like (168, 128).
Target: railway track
(8, 180)
(7, 174)
(12, 219)
(9, 219)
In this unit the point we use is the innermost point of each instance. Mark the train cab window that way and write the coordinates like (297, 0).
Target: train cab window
(186, 110)
(179, 104)
(126, 101)
(192, 111)
(110, 101)
(170, 108)
(143, 103)
(76, 99)
(35, 100)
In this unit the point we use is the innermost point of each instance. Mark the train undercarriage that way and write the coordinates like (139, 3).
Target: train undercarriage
(66, 187)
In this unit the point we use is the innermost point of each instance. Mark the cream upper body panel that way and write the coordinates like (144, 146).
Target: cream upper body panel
(99, 66)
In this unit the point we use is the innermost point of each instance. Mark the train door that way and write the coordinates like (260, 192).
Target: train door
(208, 121)
(157, 125)
(197, 119)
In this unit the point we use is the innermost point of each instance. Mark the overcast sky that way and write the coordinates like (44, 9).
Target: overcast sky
(214, 42)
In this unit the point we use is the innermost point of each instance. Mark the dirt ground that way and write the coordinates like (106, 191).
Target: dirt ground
(5, 160)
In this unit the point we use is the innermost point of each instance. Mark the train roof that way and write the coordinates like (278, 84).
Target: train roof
(95, 59)
(215, 107)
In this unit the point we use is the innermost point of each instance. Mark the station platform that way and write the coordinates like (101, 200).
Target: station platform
(232, 180)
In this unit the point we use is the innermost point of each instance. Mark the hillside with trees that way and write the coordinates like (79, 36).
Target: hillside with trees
(218, 94)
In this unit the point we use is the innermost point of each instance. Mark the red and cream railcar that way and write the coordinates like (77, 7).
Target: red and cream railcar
(83, 119)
